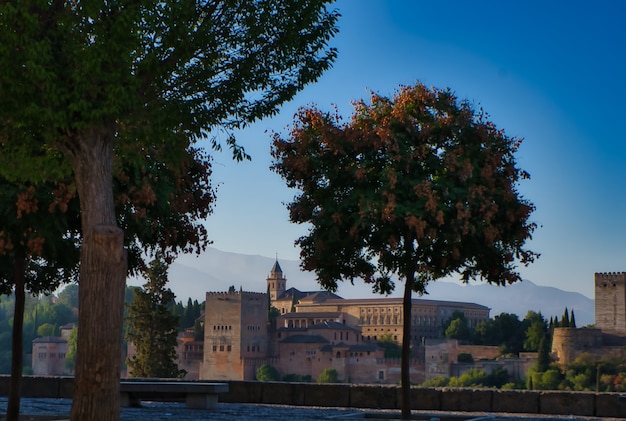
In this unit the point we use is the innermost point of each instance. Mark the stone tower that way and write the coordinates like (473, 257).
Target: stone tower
(610, 302)
(276, 282)
(235, 328)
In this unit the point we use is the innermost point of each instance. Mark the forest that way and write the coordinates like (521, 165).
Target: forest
(44, 315)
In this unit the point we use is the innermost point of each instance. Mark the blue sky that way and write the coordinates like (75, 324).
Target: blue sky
(553, 74)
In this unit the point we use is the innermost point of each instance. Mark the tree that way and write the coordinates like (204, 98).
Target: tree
(391, 347)
(47, 329)
(38, 251)
(565, 319)
(543, 355)
(328, 375)
(418, 185)
(536, 331)
(152, 328)
(456, 326)
(70, 356)
(69, 296)
(158, 215)
(267, 373)
(151, 76)
(458, 329)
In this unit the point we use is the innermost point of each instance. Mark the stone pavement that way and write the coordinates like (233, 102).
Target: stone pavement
(167, 411)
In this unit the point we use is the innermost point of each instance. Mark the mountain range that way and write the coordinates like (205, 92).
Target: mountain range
(216, 270)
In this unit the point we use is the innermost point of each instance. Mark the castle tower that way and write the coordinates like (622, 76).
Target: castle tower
(235, 329)
(610, 302)
(276, 282)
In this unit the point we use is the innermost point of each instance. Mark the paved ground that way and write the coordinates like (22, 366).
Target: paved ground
(155, 411)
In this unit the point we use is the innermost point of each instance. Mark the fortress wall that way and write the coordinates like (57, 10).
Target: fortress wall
(583, 404)
(568, 343)
(610, 302)
(480, 352)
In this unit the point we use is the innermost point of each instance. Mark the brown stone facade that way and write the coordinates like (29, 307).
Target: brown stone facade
(608, 338)
(49, 356)
(317, 330)
(235, 328)
(610, 302)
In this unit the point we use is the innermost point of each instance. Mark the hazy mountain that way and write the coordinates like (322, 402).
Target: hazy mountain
(216, 270)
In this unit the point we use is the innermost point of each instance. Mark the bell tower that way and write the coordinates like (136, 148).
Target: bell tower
(276, 282)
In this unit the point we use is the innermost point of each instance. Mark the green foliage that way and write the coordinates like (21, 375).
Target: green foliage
(392, 347)
(328, 375)
(419, 185)
(478, 377)
(47, 329)
(254, 56)
(440, 381)
(404, 171)
(267, 373)
(565, 319)
(535, 332)
(297, 378)
(70, 356)
(456, 327)
(504, 330)
(547, 380)
(152, 328)
(146, 79)
(543, 355)
(69, 296)
(465, 357)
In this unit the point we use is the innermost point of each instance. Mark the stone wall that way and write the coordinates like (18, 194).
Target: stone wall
(568, 343)
(584, 404)
(610, 302)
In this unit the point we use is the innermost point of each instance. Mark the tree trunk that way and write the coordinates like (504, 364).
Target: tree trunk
(102, 282)
(17, 351)
(405, 375)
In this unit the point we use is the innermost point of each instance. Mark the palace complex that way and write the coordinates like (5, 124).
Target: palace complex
(302, 333)
(316, 330)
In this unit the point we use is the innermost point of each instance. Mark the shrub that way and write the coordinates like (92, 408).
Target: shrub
(440, 381)
(267, 373)
(328, 375)
(298, 378)
(465, 357)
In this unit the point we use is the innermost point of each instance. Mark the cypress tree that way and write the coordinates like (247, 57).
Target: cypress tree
(543, 355)
(152, 328)
(565, 321)
(572, 319)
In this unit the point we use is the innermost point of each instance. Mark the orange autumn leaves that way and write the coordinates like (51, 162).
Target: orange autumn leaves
(419, 175)
(27, 202)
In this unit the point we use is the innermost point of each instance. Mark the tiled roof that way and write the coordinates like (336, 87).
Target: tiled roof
(414, 301)
(310, 315)
(351, 348)
(315, 296)
(276, 267)
(304, 339)
(332, 325)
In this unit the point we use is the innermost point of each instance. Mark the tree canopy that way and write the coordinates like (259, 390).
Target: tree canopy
(419, 185)
(83, 79)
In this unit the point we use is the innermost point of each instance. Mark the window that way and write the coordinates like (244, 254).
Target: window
(214, 348)
(381, 375)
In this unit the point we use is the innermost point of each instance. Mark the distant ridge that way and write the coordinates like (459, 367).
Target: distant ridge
(216, 270)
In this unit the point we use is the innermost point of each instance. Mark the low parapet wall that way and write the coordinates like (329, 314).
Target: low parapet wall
(607, 405)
